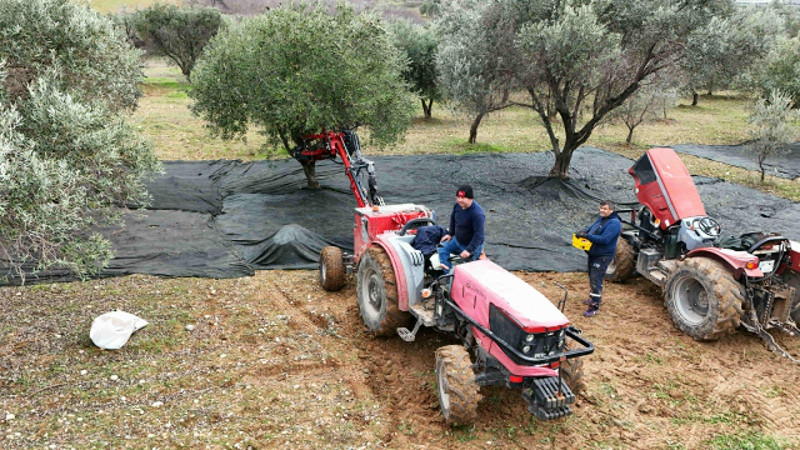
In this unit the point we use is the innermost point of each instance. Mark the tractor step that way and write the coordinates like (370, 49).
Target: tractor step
(546, 401)
(424, 311)
(407, 335)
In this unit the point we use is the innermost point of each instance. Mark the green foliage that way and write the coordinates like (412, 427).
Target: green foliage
(472, 63)
(90, 53)
(782, 70)
(179, 33)
(418, 43)
(64, 167)
(296, 71)
(727, 50)
(579, 60)
(771, 128)
(68, 161)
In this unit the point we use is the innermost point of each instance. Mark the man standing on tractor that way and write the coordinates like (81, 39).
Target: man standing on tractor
(603, 234)
(465, 236)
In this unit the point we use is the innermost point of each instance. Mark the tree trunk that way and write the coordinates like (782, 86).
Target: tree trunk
(426, 108)
(473, 129)
(310, 169)
(630, 135)
(561, 166)
(694, 98)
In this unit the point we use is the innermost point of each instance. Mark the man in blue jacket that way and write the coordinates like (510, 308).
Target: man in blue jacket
(603, 234)
(465, 236)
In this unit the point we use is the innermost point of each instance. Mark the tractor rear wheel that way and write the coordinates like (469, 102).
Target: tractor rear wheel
(623, 266)
(377, 294)
(703, 299)
(458, 392)
(792, 278)
(572, 372)
(331, 268)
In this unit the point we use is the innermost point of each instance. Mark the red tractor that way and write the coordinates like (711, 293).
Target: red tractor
(511, 334)
(711, 285)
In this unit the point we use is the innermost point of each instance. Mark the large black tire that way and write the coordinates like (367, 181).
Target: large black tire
(572, 373)
(458, 392)
(623, 266)
(331, 268)
(703, 299)
(792, 278)
(377, 294)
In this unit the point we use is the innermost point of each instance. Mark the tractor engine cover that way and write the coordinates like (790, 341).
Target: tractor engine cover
(480, 287)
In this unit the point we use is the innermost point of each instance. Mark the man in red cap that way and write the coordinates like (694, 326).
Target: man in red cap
(465, 237)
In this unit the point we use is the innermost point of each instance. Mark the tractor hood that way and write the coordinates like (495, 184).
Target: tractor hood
(480, 283)
(664, 185)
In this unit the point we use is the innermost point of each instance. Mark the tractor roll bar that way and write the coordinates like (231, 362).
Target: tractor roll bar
(572, 332)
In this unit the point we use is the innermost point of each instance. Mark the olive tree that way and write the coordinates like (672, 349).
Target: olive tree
(771, 127)
(649, 102)
(470, 62)
(296, 71)
(178, 33)
(727, 50)
(418, 44)
(578, 60)
(69, 160)
(781, 70)
(89, 51)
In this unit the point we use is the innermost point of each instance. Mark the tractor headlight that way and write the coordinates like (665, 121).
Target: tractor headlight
(529, 338)
(526, 349)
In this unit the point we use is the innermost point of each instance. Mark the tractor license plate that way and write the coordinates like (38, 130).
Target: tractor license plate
(766, 266)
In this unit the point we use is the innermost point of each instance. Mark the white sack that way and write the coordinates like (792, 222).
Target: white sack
(112, 330)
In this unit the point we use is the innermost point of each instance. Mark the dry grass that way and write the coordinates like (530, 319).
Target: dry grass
(116, 6)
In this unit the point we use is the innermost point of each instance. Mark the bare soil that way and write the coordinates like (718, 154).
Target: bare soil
(274, 361)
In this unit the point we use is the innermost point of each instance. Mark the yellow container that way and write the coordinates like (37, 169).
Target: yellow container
(581, 243)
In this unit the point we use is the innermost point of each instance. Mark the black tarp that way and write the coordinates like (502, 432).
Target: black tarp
(785, 165)
(228, 218)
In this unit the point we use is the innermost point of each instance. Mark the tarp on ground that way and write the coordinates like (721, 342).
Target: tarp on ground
(228, 218)
(785, 165)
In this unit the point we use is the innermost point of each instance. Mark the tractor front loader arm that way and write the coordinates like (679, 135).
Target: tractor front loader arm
(345, 145)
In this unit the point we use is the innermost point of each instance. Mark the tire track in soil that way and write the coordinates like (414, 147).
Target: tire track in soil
(286, 303)
(395, 377)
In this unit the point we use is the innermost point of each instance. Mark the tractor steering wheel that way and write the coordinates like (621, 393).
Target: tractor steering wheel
(415, 223)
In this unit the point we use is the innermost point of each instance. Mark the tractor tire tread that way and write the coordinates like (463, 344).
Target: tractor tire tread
(624, 265)
(728, 298)
(572, 372)
(462, 389)
(394, 318)
(335, 274)
(792, 278)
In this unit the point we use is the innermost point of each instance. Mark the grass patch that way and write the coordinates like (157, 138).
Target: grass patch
(754, 440)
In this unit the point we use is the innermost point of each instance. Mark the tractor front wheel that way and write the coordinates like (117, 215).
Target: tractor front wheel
(792, 278)
(377, 294)
(703, 299)
(572, 372)
(458, 392)
(331, 268)
(623, 266)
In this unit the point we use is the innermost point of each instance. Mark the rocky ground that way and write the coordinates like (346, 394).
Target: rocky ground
(274, 361)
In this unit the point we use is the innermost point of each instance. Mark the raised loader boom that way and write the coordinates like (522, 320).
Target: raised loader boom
(345, 145)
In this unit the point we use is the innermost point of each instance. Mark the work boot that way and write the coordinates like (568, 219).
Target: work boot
(591, 311)
(588, 301)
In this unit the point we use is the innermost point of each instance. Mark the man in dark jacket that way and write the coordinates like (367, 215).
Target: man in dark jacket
(603, 234)
(465, 236)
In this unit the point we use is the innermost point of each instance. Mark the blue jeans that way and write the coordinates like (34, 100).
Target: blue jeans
(454, 247)
(597, 271)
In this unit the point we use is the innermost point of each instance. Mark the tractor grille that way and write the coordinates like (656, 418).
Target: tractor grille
(545, 343)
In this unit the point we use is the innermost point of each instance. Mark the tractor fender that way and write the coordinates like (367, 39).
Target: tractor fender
(408, 265)
(794, 259)
(733, 260)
